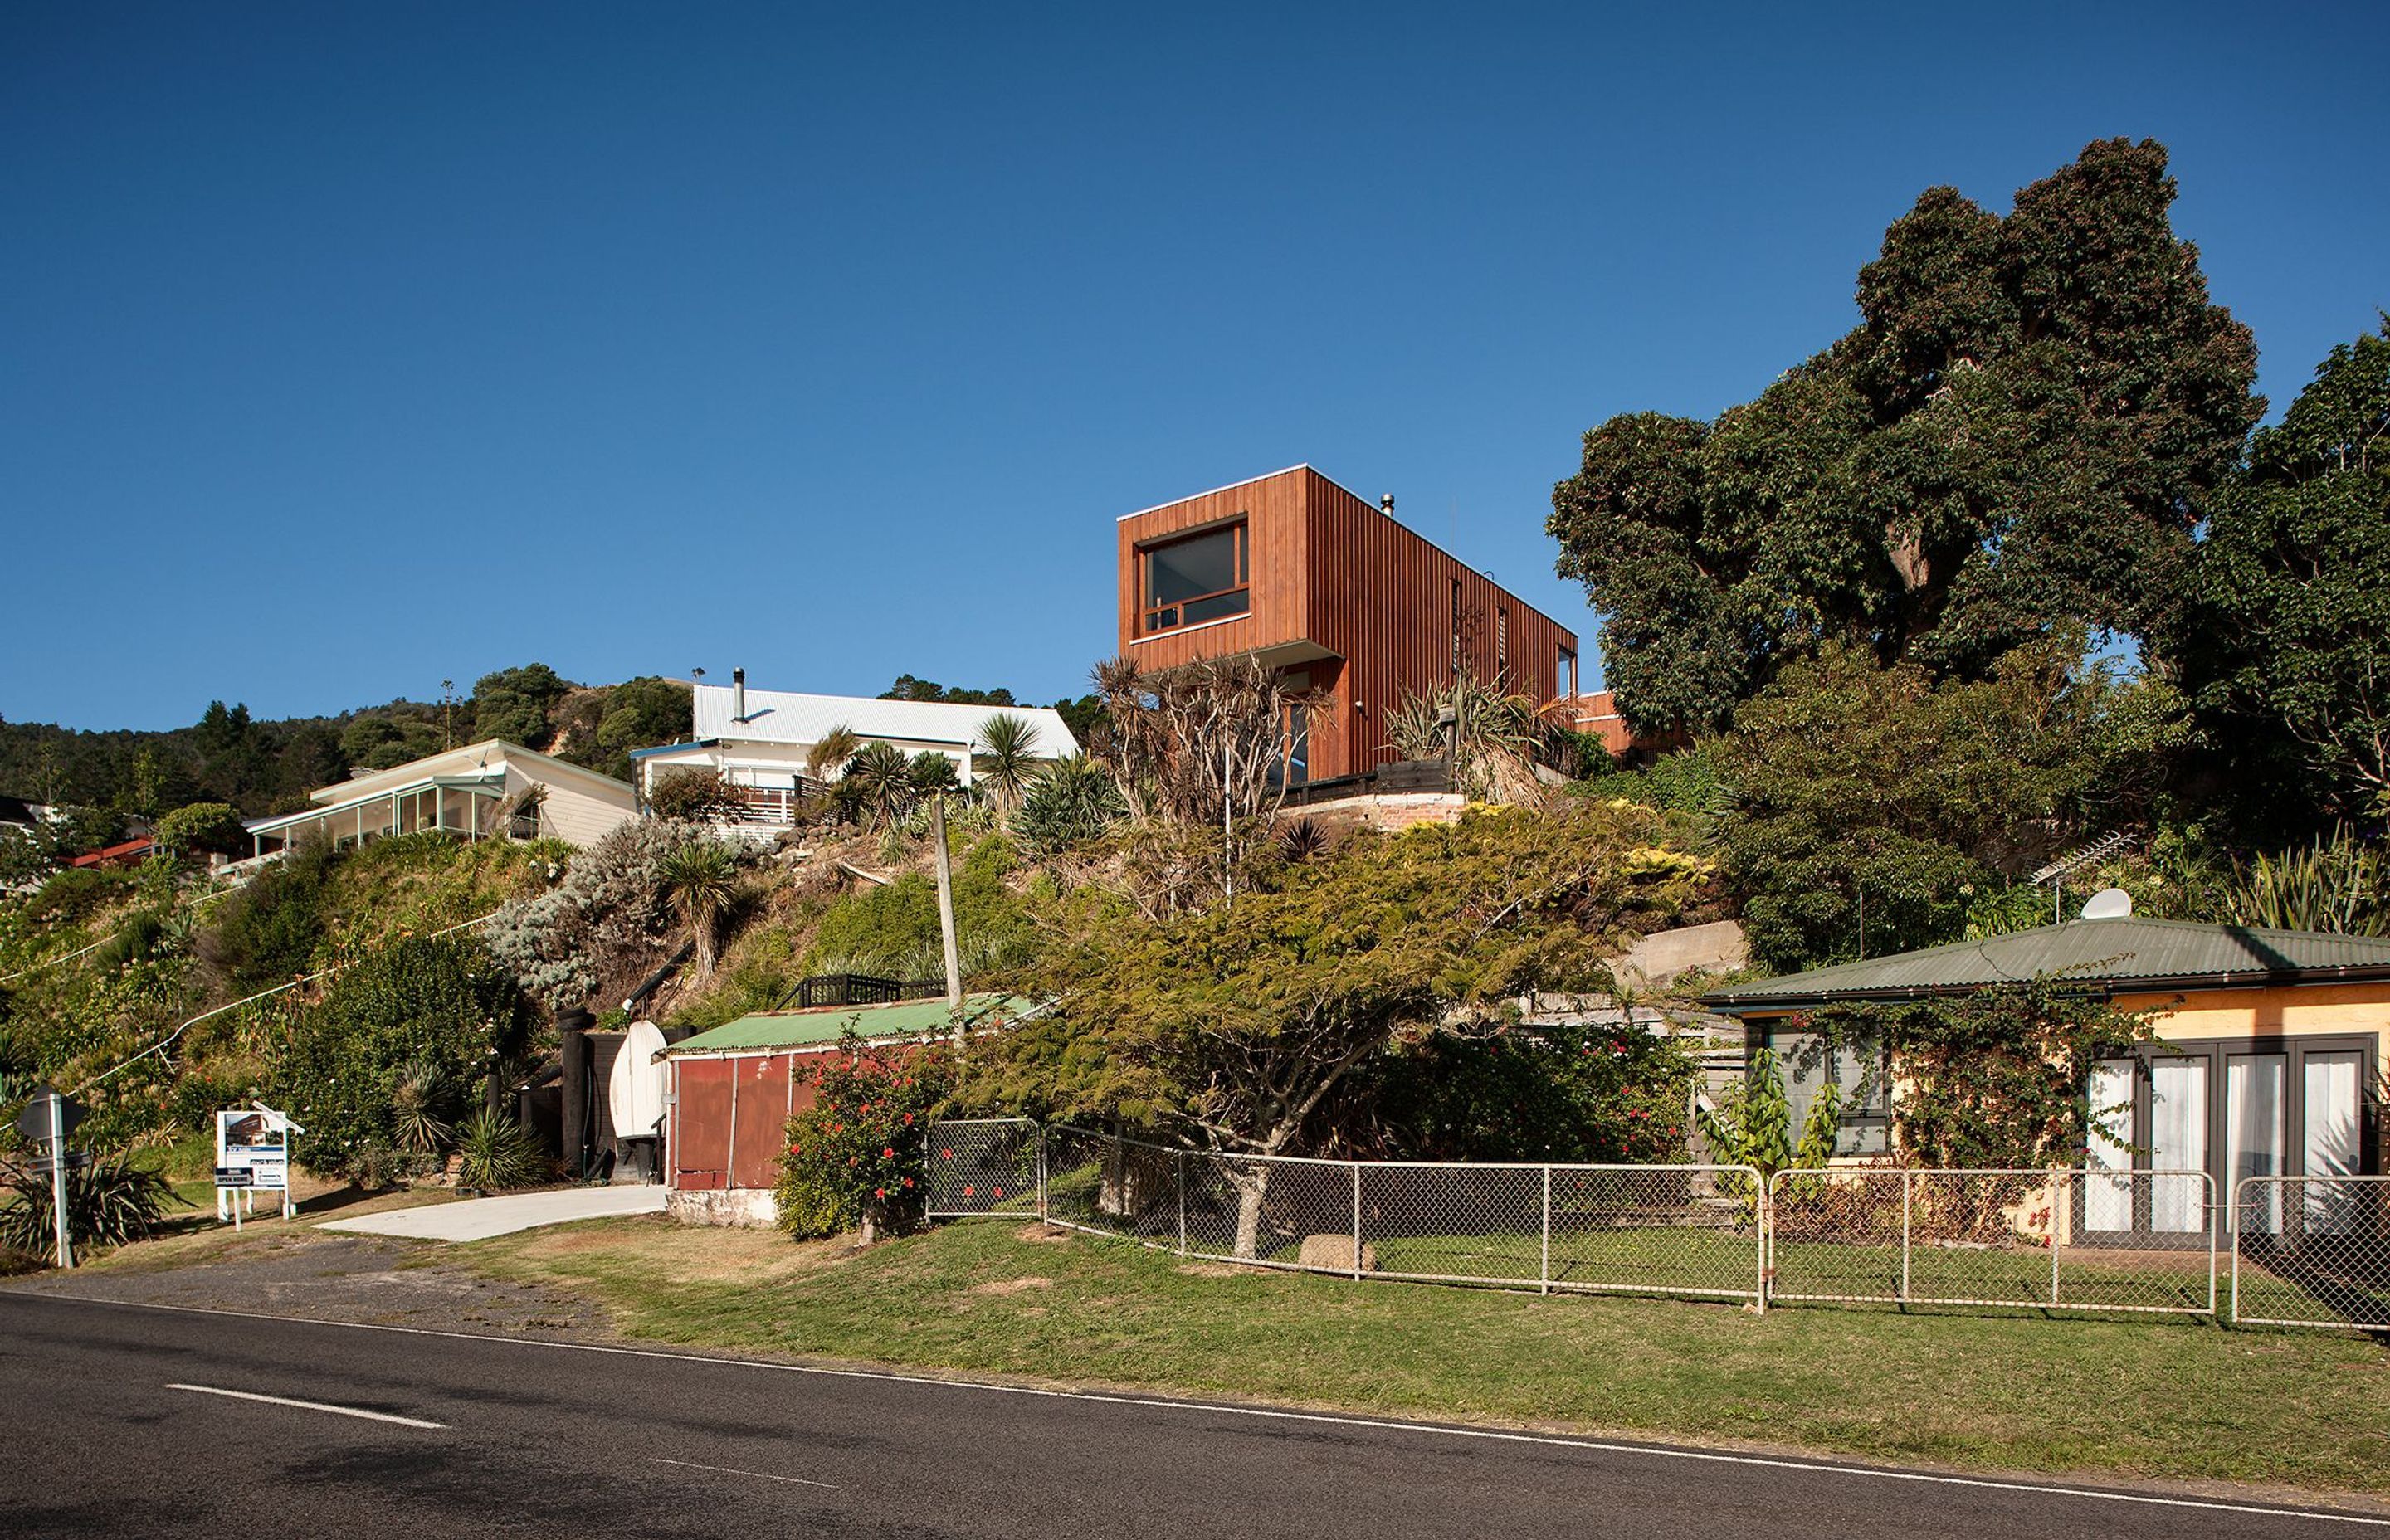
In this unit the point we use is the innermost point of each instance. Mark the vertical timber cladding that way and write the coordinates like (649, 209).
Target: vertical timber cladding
(1383, 600)
(758, 1130)
(1341, 590)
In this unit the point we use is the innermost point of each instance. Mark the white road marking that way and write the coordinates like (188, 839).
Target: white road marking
(1718, 1456)
(733, 1471)
(310, 1406)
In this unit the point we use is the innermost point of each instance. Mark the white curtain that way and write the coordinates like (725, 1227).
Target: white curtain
(2108, 1200)
(2177, 1143)
(2254, 1137)
(2332, 1147)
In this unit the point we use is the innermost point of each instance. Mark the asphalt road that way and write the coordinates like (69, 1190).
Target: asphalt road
(118, 1424)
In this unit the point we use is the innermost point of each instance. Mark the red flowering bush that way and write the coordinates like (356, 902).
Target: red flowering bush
(860, 1152)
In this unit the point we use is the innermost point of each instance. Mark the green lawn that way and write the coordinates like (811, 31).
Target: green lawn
(2150, 1397)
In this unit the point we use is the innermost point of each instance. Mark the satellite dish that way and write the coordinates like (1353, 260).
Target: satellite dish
(2108, 903)
(636, 1090)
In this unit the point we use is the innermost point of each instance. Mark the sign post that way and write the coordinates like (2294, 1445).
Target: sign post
(48, 1118)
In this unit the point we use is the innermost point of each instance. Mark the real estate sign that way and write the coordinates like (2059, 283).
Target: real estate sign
(253, 1155)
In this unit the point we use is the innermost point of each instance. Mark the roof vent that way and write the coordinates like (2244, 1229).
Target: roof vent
(2108, 903)
(1386, 505)
(739, 695)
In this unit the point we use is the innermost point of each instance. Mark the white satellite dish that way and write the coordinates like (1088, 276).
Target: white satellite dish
(636, 1090)
(2108, 903)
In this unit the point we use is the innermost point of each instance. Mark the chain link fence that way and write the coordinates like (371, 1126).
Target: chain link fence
(2312, 1251)
(2141, 1241)
(1648, 1229)
(982, 1166)
(2300, 1251)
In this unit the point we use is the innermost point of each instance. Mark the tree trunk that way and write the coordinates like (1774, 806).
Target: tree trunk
(1251, 1181)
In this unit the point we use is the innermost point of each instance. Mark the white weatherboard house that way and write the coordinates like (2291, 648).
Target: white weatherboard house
(473, 792)
(758, 739)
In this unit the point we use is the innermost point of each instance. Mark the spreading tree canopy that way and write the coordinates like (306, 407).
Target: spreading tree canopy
(2022, 433)
(2288, 631)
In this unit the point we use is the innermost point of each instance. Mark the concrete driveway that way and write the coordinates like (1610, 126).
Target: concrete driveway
(479, 1218)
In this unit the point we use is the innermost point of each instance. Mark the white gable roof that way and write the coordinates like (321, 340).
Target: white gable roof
(783, 716)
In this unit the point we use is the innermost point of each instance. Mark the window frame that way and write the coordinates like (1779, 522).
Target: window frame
(1241, 531)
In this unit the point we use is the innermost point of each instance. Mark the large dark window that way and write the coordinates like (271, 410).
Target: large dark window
(1204, 577)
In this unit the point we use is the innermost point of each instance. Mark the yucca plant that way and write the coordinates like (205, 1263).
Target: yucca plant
(497, 1155)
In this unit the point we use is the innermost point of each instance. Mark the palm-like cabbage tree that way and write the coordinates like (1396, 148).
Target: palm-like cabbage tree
(701, 880)
(1005, 760)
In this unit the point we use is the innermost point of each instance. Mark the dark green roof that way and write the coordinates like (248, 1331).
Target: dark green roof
(798, 1029)
(2106, 955)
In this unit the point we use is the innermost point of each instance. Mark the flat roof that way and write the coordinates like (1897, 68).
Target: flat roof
(820, 1024)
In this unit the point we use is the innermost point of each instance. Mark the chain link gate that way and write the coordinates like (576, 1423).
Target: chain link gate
(2312, 1251)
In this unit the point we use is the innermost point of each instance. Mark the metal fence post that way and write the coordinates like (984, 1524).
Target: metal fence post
(2061, 1197)
(2237, 1190)
(1764, 1193)
(1180, 1166)
(1544, 1275)
(1907, 1184)
(1045, 1215)
(2215, 1226)
(1357, 1221)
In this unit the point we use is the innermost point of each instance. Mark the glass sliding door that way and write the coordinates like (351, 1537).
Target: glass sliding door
(2177, 1143)
(2108, 1200)
(2330, 1113)
(2255, 1136)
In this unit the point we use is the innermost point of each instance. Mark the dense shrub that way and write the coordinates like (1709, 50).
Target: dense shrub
(860, 1153)
(1075, 800)
(696, 795)
(268, 932)
(441, 1001)
(608, 920)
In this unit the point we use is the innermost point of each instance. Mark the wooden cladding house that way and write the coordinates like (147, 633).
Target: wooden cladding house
(1320, 584)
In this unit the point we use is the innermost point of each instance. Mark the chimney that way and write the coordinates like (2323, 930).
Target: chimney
(739, 695)
(1386, 505)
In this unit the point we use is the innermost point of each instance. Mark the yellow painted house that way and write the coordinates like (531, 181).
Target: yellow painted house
(2267, 1062)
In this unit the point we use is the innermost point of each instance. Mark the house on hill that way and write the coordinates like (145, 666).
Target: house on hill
(758, 741)
(493, 787)
(2266, 1059)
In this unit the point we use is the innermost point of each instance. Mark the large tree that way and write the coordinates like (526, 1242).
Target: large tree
(2022, 434)
(2286, 642)
(1227, 1028)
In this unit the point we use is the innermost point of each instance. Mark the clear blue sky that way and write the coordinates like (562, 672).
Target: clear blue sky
(345, 349)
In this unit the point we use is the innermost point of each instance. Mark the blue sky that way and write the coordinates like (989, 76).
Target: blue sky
(346, 349)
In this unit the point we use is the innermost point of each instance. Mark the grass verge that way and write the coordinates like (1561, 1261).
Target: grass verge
(2176, 1400)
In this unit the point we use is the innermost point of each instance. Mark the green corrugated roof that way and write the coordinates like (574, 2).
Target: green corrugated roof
(2123, 954)
(797, 1029)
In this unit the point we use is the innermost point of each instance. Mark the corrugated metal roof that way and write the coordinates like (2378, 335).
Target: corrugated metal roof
(797, 1029)
(784, 716)
(2098, 952)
